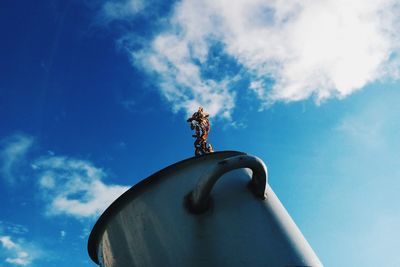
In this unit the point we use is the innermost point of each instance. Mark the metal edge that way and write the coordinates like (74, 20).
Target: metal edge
(131, 193)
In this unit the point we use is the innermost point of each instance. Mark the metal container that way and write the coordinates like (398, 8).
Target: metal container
(212, 210)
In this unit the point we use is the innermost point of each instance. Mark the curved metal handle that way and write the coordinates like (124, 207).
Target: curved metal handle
(198, 198)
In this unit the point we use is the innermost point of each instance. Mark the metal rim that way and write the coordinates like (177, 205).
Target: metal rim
(131, 193)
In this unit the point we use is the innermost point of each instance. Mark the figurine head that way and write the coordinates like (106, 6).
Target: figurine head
(200, 109)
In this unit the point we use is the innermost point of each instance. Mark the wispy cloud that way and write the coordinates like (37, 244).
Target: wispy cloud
(70, 186)
(14, 251)
(13, 150)
(171, 58)
(74, 187)
(121, 10)
(63, 234)
(286, 51)
(12, 228)
(129, 105)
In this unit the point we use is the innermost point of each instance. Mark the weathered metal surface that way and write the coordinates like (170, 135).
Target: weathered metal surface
(149, 225)
(199, 197)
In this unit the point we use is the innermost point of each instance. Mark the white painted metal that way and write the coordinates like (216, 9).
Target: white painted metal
(150, 225)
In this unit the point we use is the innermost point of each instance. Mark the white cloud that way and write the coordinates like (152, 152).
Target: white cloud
(14, 251)
(47, 181)
(85, 233)
(75, 187)
(308, 48)
(172, 57)
(117, 10)
(63, 234)
(12, 154)
(7, 243)
(21, 259)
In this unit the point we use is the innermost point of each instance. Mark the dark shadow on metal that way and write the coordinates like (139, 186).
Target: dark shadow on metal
(208, 205)
(134, 191)
(198, 200)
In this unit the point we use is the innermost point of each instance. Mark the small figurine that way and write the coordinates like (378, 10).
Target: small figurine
(201, 124)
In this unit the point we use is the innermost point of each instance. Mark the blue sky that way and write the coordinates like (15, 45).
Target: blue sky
(94, 97)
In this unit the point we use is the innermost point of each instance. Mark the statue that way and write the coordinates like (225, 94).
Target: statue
(201, 124)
